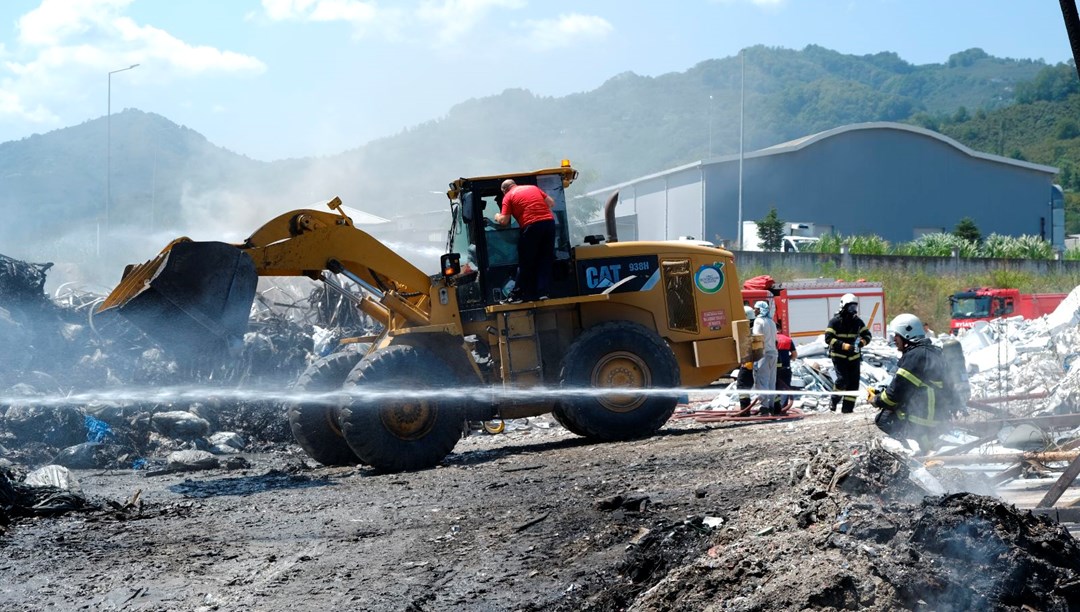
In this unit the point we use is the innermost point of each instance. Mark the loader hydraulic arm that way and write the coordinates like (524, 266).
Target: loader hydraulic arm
(196, 295)
(304, 242)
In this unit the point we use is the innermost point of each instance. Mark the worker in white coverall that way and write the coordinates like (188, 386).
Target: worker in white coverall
(765, 368)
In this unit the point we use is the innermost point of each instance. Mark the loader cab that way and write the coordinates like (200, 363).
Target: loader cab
(490, 249)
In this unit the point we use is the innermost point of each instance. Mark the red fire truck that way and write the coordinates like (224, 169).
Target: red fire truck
(802, 308)
(986, 303)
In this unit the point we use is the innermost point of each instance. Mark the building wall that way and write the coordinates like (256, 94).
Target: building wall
(668, 206)
(888, 182)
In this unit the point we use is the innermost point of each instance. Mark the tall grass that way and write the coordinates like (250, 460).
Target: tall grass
(942, 245)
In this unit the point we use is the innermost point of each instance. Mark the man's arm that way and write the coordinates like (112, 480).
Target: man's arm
(549, 201)
(503, 216)
(830, 332)
(864, 334)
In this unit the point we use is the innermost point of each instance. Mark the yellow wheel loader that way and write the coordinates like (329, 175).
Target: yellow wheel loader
(620, 317)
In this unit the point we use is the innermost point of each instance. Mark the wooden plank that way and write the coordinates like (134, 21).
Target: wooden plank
(978, 458)
(1008, 474)
(1066, 480)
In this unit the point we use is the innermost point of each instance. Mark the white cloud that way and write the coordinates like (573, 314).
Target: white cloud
(440, 22)
(454, 19)
(63, 45)
(361, 15)
(566, 30)
(160, 47)
(765, 4)
(12, 106)
(56, 20)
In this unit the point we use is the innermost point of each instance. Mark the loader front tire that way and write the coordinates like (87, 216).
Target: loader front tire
(618, 354)
(392, 430)
(315, 425)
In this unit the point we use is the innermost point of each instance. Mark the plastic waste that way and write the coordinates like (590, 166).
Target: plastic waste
(96, 429)
(52, 476)
(922, 477)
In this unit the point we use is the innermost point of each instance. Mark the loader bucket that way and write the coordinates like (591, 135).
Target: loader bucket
(193, 299)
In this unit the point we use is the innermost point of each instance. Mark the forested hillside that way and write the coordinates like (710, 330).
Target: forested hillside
(1042, 127)
(169, 178)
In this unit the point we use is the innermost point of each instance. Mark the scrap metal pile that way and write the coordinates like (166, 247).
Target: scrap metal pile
(59, 369)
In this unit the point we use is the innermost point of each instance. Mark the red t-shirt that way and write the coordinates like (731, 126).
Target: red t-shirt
(526, 204)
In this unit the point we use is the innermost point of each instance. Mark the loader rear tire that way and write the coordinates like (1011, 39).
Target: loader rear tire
(618, 354)
(392, 431)
(315, 425)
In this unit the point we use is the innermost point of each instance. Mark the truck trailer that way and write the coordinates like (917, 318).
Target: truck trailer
(802, 308)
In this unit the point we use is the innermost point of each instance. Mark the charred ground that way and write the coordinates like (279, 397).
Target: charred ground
(809, 514)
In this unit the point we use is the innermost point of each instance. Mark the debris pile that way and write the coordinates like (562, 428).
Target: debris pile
(53, 350)
(876, 543)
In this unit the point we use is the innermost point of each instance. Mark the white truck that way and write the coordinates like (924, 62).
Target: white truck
(796, 238)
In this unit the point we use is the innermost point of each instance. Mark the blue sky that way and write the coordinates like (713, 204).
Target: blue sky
(273, 79)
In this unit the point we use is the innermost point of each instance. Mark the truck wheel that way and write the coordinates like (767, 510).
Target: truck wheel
(618, 354)
(395, 434)
(315, 425)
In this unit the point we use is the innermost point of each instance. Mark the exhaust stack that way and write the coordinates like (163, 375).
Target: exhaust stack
(609, 218)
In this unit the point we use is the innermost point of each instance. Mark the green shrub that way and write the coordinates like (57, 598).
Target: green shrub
(1034, 247)
(867, 245)
(829, 243)
(940, 244)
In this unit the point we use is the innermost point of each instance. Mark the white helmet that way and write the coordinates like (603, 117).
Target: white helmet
(848, 298)
(908, 327)
(762, 307)
(749, 313)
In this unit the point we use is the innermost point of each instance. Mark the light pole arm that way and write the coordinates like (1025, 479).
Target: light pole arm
(108, 145)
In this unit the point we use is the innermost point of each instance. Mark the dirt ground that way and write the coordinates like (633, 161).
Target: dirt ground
(808, 514)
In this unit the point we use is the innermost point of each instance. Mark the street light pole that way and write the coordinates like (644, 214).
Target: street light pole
(742, 103)
(108, 147)
(710, 125)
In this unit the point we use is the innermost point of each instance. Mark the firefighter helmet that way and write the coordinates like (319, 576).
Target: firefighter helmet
(908, 327)
(848, 298)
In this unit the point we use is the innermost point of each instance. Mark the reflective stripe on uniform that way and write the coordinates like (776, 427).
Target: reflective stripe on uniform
(853, 357)
(930, 398)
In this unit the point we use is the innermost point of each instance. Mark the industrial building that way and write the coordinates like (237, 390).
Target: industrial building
(890, 179)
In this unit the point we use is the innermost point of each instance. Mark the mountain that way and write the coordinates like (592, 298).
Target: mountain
(167, 179)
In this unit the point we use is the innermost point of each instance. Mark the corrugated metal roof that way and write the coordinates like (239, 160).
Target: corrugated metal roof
(801, 143)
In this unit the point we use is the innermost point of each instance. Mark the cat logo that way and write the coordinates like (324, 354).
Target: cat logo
(601, 277)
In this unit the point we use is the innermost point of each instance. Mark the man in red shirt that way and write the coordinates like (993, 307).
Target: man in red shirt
(531, 208)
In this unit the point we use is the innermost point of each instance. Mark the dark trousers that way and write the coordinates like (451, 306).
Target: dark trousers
(847, 379)
(783, 383)
(536, 257)
(745, 381)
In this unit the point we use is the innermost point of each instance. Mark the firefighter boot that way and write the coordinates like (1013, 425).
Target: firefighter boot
(848, 405)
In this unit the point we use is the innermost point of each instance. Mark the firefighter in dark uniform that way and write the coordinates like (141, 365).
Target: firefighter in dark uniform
(914, 402)
(845, 337)
(745, 380)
